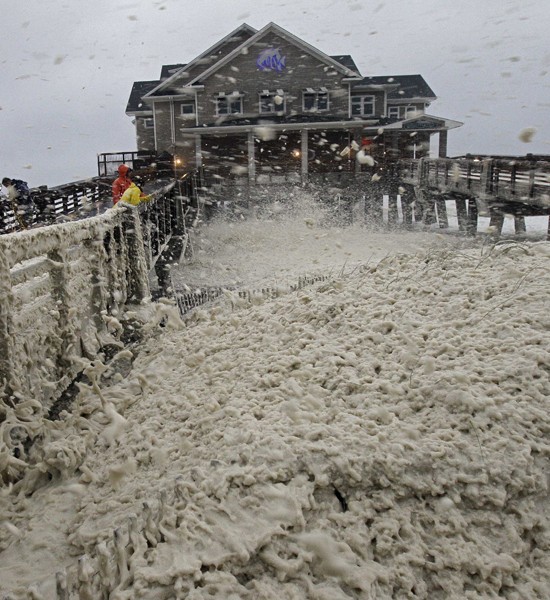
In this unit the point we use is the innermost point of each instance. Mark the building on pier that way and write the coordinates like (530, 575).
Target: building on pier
(267, 101)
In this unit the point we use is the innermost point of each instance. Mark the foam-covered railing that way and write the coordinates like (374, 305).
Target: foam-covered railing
(60, 289)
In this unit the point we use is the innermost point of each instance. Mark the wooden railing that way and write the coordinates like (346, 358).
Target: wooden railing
(495, 181)
(64, 291)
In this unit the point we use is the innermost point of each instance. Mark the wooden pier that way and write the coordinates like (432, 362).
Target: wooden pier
(493, 187)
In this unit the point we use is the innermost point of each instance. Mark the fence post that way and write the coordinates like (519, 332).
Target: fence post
(61, 585)
(60, 278)
(137, 276)
(6, 326)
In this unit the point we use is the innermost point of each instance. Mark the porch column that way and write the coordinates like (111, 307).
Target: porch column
(394, 145)
(442, 153)
(305, 152)
(198, 152)
(251, 161)
(357, 135)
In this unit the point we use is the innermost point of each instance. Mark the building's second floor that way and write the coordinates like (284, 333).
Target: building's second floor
(269, 76)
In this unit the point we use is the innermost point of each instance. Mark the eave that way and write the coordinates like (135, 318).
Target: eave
(184, 96)
(296, 126)
(197, 59)
(419, 100)
(445, 124)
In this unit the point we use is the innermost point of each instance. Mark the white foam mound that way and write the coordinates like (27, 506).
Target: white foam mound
(382, 434)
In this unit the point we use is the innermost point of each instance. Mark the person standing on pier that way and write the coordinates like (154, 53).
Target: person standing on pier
(122, 182)
(134, 196)
(21, 201)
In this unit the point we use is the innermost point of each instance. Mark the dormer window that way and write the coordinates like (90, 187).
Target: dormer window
(315, 100)
(362, 106)
(229, 104)
(272, 102)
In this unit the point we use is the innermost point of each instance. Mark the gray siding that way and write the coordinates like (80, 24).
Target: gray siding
(302, 71)
(145, 136)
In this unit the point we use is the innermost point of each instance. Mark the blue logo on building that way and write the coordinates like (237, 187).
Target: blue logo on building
(270, 59)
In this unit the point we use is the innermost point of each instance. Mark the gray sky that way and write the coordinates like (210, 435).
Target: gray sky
(67, 66)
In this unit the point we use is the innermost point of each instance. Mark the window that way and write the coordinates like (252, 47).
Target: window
(362, 106)
(272, 102)
(188, 108)
(149, 123)
(229, 104)
(393, 112)
(314, 101)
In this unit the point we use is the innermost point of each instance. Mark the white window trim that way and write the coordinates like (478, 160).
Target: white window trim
(275, 108)
(363, 97)
(394, 109)
(316, 93)
(228, 98)
(148, 123)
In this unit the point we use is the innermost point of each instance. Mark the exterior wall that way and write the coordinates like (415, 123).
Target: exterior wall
(145, 136)
(194, 71)
(379, 100)
(302, 71)
(163, 127)
(420, 107)
(167, 114)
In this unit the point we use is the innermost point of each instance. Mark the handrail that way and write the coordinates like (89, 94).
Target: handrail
(68, 278)
(517, 181)
(64, 289)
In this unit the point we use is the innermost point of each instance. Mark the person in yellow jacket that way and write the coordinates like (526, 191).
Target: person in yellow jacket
(133, 195)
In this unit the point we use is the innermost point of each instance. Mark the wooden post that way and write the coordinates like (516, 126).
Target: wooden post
(6, 327)
(442, 150)
(407, 198)
(62, 592)
(519, 224)
(461, 213)
(85, 574)
(96, 256)
(442, 212)
(60, 276)
(198, 152)
(305, 151)
(251, 159)
(471, 223)
(137, 276)
(496, 222)
(120, 557)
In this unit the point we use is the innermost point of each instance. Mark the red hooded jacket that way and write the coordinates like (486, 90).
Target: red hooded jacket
(121, 183)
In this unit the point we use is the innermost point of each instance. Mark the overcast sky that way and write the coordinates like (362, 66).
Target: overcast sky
(67, 67)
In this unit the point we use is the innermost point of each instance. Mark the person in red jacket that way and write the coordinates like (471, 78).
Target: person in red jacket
(122, 182)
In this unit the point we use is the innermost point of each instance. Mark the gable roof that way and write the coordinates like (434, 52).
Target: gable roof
(342, 63)
(405, 87)
(139, 89)
(164, 86)
(274, 28)
(347, 61)
(169, 70)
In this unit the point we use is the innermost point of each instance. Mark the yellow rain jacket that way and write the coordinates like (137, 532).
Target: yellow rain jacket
(133, 195)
